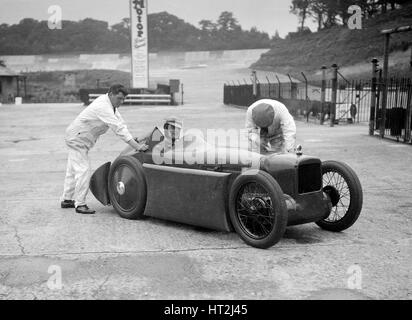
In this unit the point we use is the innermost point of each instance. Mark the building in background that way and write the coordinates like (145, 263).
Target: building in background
(10, 85)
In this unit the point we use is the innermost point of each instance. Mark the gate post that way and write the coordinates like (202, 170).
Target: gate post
(373, 97)
(254, 81)
(306, 97)
(279, 88)
(334, 94)
(408, 112)
(410, 61)
(293, 88)
(306, 86)
(323, 95)
(183, 92)
(385, 85)
(267, 79)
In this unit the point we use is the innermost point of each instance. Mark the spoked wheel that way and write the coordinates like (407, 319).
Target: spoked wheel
(127, 187)
(254, 208)
(257, 209)
(344, 190)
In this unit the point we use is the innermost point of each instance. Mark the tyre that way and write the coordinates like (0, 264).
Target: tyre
(127, 187)
(257, 209)
(343, 187)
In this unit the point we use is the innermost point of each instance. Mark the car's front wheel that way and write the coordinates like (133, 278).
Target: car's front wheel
(127, 187)
(344, 190)
(257, 209)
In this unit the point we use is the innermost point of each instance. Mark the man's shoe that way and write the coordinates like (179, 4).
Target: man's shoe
(84, 210)
(67, 204)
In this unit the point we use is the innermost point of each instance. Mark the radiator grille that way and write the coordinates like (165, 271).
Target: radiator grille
(309, 177)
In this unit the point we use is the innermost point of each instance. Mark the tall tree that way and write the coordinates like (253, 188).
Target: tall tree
(318, 10)
(207, 25)
(331, 13)
(227, 22)
(328, 13)
(301, 9)
(122, 28)
(276, 36)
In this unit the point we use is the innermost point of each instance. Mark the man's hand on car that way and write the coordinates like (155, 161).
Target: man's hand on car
(141, 147)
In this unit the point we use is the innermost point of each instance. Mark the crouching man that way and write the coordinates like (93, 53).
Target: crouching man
(270, 126)
(82, 134)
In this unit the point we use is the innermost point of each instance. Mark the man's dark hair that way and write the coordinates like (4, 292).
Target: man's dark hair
(116, 88)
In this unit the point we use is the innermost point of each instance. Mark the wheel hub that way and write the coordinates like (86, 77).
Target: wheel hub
(333, 194)
(257, 203)
(120, 187)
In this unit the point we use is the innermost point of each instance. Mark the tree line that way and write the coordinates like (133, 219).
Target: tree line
(166, 32)
(329, 13)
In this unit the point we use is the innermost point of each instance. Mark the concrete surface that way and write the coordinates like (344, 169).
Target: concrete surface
(106, 257)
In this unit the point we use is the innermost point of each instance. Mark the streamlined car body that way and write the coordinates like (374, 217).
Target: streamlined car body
(229, 189)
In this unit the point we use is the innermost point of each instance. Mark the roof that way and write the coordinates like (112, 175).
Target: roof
(5, 72)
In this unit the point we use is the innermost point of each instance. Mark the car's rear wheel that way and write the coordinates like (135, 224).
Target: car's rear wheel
(344, 189)
(127, 187)
(257, 209)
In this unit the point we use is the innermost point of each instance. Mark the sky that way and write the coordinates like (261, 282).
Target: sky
(266, 15)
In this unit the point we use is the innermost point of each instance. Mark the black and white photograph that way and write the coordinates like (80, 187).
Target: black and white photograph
(205, 154)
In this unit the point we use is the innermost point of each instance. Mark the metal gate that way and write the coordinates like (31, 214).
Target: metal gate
(396, 112)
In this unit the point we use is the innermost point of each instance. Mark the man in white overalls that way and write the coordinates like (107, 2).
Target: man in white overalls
(271, 127)
(82, 134)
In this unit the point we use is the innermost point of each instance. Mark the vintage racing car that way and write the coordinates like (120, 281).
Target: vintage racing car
(257, 196)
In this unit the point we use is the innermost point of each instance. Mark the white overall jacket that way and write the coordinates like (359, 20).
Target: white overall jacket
(281, 136)
(94, 121)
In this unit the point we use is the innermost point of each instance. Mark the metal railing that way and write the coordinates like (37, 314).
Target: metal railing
(398, 109)
(140, 98)
(346, 101)
(385, 104)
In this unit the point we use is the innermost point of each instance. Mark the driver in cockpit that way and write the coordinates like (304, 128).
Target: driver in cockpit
(167, 135)
(172, 132)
